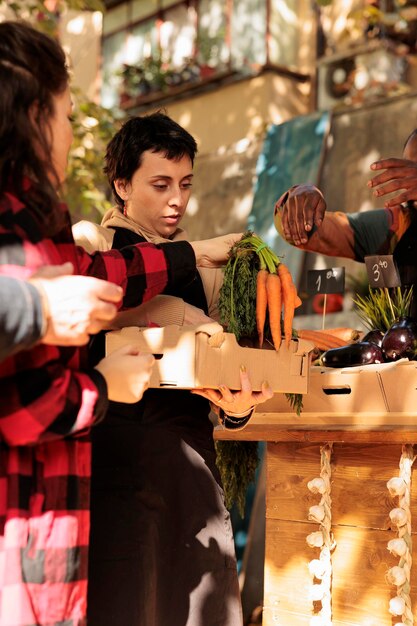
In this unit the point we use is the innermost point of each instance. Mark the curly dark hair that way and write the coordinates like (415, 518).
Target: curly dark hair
(32, 71)
(156, 132)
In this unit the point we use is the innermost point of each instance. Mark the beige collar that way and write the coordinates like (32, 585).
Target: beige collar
(114, 218)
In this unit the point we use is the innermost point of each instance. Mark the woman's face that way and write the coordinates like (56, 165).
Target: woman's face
(157, 196)
(62, 134)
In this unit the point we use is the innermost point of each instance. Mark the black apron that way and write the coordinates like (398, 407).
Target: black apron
(161, 544)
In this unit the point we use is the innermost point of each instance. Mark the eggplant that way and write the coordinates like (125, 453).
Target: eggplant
(360, 353)
(400, 341)
(374, 336)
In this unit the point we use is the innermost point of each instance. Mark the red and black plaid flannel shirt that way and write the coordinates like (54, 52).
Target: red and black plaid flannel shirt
(47, 404)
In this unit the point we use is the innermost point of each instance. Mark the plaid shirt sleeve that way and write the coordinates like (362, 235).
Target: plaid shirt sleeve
(143, 270)
(44, 394)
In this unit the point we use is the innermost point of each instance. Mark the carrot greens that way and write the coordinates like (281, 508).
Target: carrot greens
(249, 305)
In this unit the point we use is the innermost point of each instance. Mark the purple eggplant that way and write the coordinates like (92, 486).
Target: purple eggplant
(374, 336)
(400, 341)
(360, 353)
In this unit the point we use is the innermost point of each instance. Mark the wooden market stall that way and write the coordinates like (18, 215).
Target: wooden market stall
(329, 512)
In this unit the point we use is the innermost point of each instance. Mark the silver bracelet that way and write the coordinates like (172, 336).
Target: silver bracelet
(244, 414)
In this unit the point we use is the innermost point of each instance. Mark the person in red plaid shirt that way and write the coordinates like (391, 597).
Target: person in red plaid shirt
(49, 397)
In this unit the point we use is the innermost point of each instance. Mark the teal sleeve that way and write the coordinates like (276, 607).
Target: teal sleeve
(371, 232)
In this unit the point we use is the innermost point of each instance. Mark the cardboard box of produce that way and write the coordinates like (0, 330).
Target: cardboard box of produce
(367, 396)
(189, 357)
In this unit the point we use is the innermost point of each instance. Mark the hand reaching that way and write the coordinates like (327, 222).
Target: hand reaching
(399, 177)
(237, 402)
(303, 208)
(127, 373)
(74, 306)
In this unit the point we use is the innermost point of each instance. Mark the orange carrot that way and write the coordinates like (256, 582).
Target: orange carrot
(288, 297)
(345, 333)
(261, 303)
(297, 300)
(321, 339)
(273, 291)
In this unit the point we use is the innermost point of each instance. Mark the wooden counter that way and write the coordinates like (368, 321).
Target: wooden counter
(365, 454)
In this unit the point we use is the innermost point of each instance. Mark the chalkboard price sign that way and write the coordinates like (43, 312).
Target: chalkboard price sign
(331, 280)
(382, 271)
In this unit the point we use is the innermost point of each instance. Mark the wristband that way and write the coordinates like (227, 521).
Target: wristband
(231, 422)
(243, 414)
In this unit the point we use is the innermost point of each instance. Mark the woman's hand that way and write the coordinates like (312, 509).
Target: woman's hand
(127, 373)
(74, 307)
(399, 177)
(237, 403)
(214, 252)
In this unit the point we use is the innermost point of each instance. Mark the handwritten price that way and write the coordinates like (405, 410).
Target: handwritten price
(382, 271)
(330, 280)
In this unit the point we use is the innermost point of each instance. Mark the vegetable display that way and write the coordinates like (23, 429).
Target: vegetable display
(360, 353)
(256, 303)
(400, 341)
(392, 334)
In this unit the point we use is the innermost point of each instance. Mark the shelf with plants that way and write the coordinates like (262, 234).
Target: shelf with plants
(152, 80)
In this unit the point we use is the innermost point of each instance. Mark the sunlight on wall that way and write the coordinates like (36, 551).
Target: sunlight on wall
(192, 207)
(79, 25)
(241, 207)
(80, 34)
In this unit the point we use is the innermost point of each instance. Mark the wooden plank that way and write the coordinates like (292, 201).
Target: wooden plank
(360, 594)
(359, 477)
(259, 432)
(287, 579)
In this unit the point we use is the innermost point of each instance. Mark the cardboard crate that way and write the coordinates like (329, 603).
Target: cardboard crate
(189, 357)
(369, 396)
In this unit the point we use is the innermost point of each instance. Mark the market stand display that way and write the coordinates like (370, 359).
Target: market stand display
(340, 499)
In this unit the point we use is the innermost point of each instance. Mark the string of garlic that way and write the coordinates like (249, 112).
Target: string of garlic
(321, 568)
(400, 575)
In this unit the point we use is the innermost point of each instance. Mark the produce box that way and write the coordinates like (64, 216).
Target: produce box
(189, 357)
(368, 396)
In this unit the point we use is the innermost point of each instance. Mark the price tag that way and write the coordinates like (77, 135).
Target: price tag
(331, 280)
(382, 271)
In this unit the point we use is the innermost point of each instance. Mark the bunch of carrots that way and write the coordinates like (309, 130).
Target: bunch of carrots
(255, 276)
(275, 289)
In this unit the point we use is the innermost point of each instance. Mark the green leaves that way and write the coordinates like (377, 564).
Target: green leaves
(295, 401)
(237, 462)
(379, 309)
(237, 298)
(46, 19)
(86, 189)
